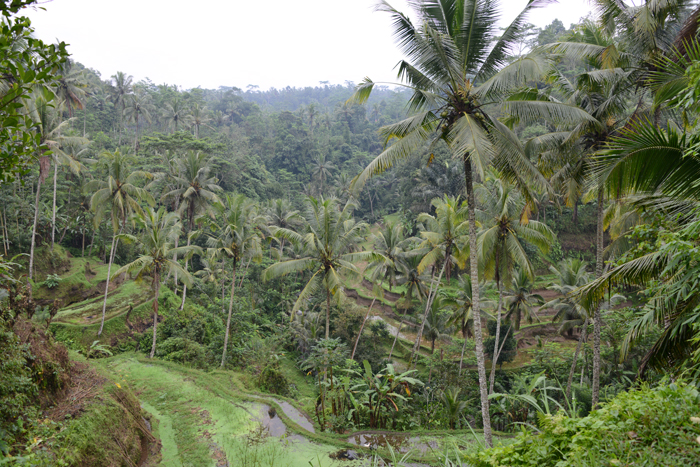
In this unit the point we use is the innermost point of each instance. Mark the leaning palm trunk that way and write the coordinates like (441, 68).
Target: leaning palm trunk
(112, 251)
(581, 339)
(431, 297)
(474, 269)
(398, 331)
(362, 328)
(597, 319)
(156, 280)
(230, 311)
(492, 376)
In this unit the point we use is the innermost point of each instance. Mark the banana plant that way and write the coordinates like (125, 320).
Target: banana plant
(380, 392)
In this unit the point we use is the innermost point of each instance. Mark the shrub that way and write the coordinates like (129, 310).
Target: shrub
(652, 427)
(182, 350)
(52, 281)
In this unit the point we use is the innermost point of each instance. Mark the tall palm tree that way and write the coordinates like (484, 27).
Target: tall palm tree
(119, 194)
(457, 60)
(140, 106)
(70, 87)
(329, 239)
(237, 237)
(160, 228)
(501, 243)
(197, 192)
(443, 241)
(122, 87)
(49, 129)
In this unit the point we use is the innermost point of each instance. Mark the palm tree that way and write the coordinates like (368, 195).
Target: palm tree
(198, 118)
(463, 312)
(455, 64)
(121, 89)
(501, 249)
(237, 238)
(520, 300)
(174, 113)
(604, 92)
(322, 169)
(214, 271)
(453, 406)
(571, 274)
(120, 194)
(280, 214)
(416, 286)
(140, 105)
(160, 228)
(392, 244)
(443, 238)
(49, 129)
(328, 240)
(70, 87)
(437, 323)
(197, 191)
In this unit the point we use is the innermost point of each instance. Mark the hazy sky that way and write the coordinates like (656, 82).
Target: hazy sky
(212, 43)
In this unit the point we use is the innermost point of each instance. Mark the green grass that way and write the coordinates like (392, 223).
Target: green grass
(198, 413)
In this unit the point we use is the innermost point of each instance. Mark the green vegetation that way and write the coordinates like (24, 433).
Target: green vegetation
(494, 264)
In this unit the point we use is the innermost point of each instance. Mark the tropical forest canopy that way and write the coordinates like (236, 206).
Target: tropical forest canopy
(492, 261)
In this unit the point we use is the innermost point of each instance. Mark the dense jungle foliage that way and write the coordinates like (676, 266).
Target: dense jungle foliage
(494, 264)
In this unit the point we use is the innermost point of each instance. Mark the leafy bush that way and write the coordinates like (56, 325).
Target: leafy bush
(649, 426)
(272, 380)
(182, 350)
(52, 281)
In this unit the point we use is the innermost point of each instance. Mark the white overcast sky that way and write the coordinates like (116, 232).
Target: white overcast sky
(212, 43)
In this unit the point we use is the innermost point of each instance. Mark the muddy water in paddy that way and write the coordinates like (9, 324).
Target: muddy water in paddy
(291, 412)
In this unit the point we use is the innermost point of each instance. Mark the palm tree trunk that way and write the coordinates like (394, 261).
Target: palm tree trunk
(4, 232)
(136, 143)
(597, 319)
(328, 312)
(398, 331)
(361, 329)
(53, 211)
(156, 279)
(184, 286)
(492, 376)
(429, 304)
(461, 357)
(177, 239)
(474, 269)
(230, 310)
(112, 251)
(223, 293)
(7, 234)
(581, 338)
(36, 220)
